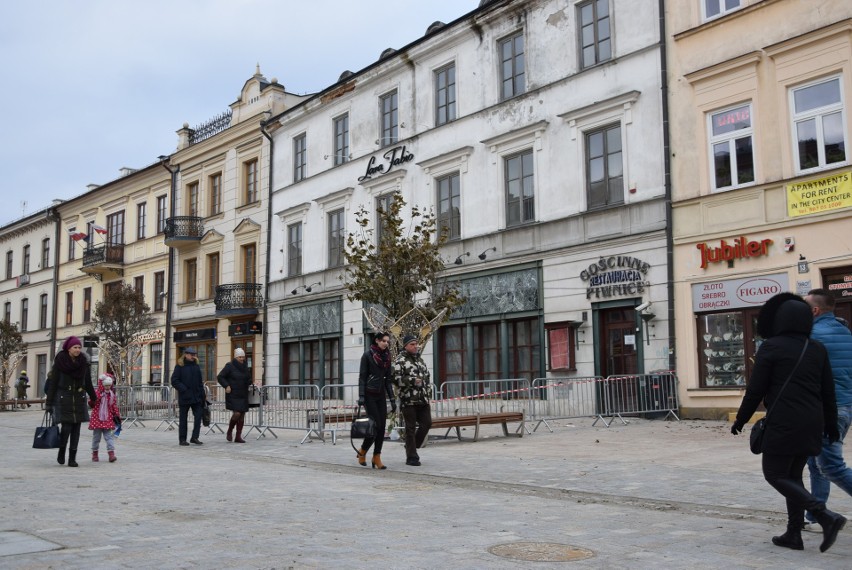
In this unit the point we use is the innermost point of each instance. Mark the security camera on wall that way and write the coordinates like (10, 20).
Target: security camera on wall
(643, 306)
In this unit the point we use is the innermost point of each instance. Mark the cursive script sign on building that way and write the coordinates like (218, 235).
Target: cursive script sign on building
(396, 156)
(616, 275)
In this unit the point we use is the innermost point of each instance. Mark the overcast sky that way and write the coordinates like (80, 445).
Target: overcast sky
(91, 86)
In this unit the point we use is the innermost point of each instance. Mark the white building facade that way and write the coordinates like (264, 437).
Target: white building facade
(535, 131)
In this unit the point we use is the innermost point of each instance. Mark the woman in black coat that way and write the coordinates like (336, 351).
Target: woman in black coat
(68, 394)
(798, 417)
(374, 385)
(236, 378)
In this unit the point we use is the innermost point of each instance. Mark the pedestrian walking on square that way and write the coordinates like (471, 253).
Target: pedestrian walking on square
(236, 378)
(411, 376)
(792, 376)
(829, 466)
(105, 417)
(187, 380)
(374, 385)
(68, 395)
(21, 386)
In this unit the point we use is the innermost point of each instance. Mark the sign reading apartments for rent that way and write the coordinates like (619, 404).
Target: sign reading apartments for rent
(821, 195)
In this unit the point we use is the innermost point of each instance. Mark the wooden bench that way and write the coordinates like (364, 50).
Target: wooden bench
(459, 421)
(16, 403)
(334, 417)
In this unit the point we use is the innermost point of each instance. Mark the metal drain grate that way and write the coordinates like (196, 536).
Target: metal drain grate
(541, 552)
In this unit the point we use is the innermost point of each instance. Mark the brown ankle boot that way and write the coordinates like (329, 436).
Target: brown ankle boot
(377, 461)
(362, 457)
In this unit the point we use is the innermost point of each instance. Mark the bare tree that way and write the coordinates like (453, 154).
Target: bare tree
(119, 320)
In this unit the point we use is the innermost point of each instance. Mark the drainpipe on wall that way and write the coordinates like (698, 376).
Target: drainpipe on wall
(167, 344)
(268, 257)
(664, 88)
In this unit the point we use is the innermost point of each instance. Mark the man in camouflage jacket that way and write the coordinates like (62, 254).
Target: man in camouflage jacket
(411, 377)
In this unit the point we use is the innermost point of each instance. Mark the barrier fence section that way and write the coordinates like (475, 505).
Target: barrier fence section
(290, 406)
(565, 398)
(471, 397)
(641, 394)
(337, 408)
(138, 404)
(221, 416)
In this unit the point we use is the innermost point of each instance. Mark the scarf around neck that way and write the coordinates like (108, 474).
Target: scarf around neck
(381, 357)
(107, 400)
(73, 367)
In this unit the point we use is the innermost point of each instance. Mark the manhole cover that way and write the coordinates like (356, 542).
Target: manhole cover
(541, 552)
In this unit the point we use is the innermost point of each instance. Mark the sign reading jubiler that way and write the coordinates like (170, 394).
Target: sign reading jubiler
(726, 252)
(818, 196)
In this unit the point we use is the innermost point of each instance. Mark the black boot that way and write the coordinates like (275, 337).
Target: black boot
(72, 458)
(60, 458)
(831, 523)
(791, 539)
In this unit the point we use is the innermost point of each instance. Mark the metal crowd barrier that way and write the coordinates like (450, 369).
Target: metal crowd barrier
(648, 394)
(565, 398)
(290, 406)
(221, 416)
(138, 404)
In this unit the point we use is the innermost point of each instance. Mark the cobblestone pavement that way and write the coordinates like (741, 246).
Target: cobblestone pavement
(648, 494)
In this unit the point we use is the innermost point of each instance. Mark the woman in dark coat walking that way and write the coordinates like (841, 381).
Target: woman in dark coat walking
(68, 395)
(798, 417)
(236, 378)
(374, 385)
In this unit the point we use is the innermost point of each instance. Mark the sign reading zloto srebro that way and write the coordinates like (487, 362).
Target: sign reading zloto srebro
(821, 195)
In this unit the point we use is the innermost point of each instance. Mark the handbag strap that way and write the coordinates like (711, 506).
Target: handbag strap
(793, 371)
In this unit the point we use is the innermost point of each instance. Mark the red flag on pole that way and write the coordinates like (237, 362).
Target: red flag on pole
(99, 229)
(77, 236)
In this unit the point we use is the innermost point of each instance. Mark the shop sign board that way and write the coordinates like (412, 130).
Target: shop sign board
(840, 285)
(737, 293)
(818, 196)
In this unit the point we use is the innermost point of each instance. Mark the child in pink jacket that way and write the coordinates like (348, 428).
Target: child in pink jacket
(104, 417)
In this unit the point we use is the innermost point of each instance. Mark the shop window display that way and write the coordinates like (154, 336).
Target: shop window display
(722, 349)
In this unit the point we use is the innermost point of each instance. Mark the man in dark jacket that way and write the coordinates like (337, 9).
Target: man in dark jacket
(411, 377)
(837, 339)
(187, 380)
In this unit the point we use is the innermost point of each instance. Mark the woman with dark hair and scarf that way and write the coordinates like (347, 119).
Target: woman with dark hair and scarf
(68, 395)
(798, 415)
(374, 385)
(236, 378)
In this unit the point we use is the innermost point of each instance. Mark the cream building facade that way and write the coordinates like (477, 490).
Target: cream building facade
(759, 95)
(217, 231)
(123, 223)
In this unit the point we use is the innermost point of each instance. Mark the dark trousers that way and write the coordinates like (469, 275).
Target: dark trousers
(196, 423)
(418, 420)
(70, 431)
(784, 473)
(377, 409)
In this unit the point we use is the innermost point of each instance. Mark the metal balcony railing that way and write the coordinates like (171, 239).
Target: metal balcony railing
(184, 228)
(103, 254)
(238, 297)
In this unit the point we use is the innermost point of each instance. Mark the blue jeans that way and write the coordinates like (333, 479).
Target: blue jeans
(829, 467)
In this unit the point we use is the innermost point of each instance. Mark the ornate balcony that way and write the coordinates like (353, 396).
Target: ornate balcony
(104, 262)
(238, 299)
(183, 231)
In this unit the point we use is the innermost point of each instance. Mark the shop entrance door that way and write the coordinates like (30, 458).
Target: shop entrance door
(618, 353)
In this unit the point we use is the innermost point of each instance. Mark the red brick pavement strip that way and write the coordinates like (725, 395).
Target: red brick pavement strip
(646, 495)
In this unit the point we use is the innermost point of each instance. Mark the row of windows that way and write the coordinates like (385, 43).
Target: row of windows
(250, 192)
(595, 47)
(25, 259)
(212, 276)
(819, 138)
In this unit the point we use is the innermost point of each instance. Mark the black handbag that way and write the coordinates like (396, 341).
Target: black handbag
(758, 430)
(47, 434)
(361, 428)
(205, 414)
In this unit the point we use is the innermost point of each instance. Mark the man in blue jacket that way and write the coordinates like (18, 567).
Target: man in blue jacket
(187, 380)
(829, 465)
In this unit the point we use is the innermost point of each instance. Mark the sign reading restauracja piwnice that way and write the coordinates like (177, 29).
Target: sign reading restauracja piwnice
(394, 157)
(616, 275)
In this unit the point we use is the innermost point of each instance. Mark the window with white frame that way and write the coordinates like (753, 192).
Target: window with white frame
(449, 205)
(72, 244)
(520, 188)
(818, 125)
(190, 274)
(512, 66)
(717, 8)
(389, 113)
(192, 199)
(42, 311)
(731, 147)
(341, 139)
(115, 228)
(45, 253)
(250, 182)
(141, 219)
(7, 312)
(9, 257)
(300, 157)
(336, 238)
(25, 315)
(161, 214)
(604, 167)
(383, 205)
(445, 94)
(294, 249)
(215, 187)
(25, 266)
(159, 290)
(595, 36)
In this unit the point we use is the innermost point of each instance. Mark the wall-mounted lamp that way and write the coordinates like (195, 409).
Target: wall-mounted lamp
(483, 255)
(343, 156)
(387, 140)
(459, 259)
(307, 288)
(647, 317)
